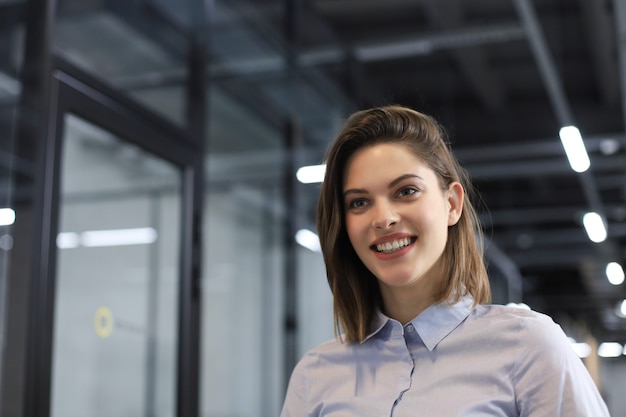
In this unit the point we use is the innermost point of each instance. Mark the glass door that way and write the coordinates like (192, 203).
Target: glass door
(124, 268)
(115, 327)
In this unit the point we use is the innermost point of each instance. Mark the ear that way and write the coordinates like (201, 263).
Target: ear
(456, 194)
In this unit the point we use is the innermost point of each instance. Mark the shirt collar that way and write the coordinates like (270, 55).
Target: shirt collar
(434, 323)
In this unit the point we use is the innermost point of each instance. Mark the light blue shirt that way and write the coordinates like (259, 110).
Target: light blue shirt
(450, 361)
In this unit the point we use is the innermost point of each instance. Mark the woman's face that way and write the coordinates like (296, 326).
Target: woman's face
(397, 217)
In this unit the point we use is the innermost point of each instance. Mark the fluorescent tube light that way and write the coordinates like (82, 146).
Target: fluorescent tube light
(68, 240)
(574, 148)
(113, 237)
(119, 237)
(614, 273)
(7, 216)
(610, 350)
(594, 226)
(309, 240)
(311, 173)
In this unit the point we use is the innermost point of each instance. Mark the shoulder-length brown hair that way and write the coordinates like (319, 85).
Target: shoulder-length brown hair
(355, 289)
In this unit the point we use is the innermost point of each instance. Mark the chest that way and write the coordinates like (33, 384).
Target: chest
(409, 380)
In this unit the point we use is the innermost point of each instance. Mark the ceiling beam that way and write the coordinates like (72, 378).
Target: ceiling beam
(597, 25)
(620, 24)
(498, 171)
(356, 8)
(533, 149)
(447, 14)
(537, 216)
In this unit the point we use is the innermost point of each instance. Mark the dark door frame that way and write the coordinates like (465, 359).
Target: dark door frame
(73, 91)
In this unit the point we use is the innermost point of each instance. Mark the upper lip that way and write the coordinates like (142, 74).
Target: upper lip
(391, 238)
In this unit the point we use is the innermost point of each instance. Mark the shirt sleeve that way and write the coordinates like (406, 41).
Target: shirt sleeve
(550, 379)
(295, 404)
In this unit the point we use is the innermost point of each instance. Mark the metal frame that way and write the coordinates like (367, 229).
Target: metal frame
(77, 93)
(23, 379)
(104, 107)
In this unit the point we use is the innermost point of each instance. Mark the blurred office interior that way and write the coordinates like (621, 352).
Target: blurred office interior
(157, 249)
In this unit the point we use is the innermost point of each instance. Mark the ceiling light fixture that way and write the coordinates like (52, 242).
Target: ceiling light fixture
(115, 237)
(610, 350)
(119, 237)
(309, 240)
(614, 273)
(594, 226)
(7, 216)
(574, 148)
(311, 174)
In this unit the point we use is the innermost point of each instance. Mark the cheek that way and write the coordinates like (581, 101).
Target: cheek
(440, 215)
(353, 229)
(434, 223)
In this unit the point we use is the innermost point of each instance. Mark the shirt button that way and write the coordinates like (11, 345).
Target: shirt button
(410, 328)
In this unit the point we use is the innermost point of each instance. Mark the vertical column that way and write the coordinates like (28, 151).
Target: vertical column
(190, 292)
(291, 140)
(26, 374)
(292, 144)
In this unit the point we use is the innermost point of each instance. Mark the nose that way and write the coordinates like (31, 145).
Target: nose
(384, 216)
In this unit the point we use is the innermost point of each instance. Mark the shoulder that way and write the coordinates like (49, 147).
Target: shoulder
(549, 378)
(538, 337)
(298, 394)
(320, 369)
(523, 319)
(528, 328)
(325, 352)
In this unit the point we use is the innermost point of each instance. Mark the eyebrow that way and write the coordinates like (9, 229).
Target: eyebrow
(391, 184)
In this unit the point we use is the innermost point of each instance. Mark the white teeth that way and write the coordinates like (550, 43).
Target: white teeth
(389, 247)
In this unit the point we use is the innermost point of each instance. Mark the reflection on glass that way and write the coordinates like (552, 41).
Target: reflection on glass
(115, 327)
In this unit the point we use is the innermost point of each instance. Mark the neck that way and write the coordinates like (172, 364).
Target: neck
(403, 304)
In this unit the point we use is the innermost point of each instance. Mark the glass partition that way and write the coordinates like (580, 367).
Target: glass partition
(116, 304)
(260, 100)
(243, 273)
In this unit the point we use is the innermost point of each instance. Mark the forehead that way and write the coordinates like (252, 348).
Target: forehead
(384, 161)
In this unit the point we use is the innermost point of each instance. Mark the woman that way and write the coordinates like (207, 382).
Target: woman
(400, 242)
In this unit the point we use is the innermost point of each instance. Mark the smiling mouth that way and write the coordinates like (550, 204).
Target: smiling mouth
(393, 246)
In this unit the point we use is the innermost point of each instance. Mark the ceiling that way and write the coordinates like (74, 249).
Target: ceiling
(502, 76)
